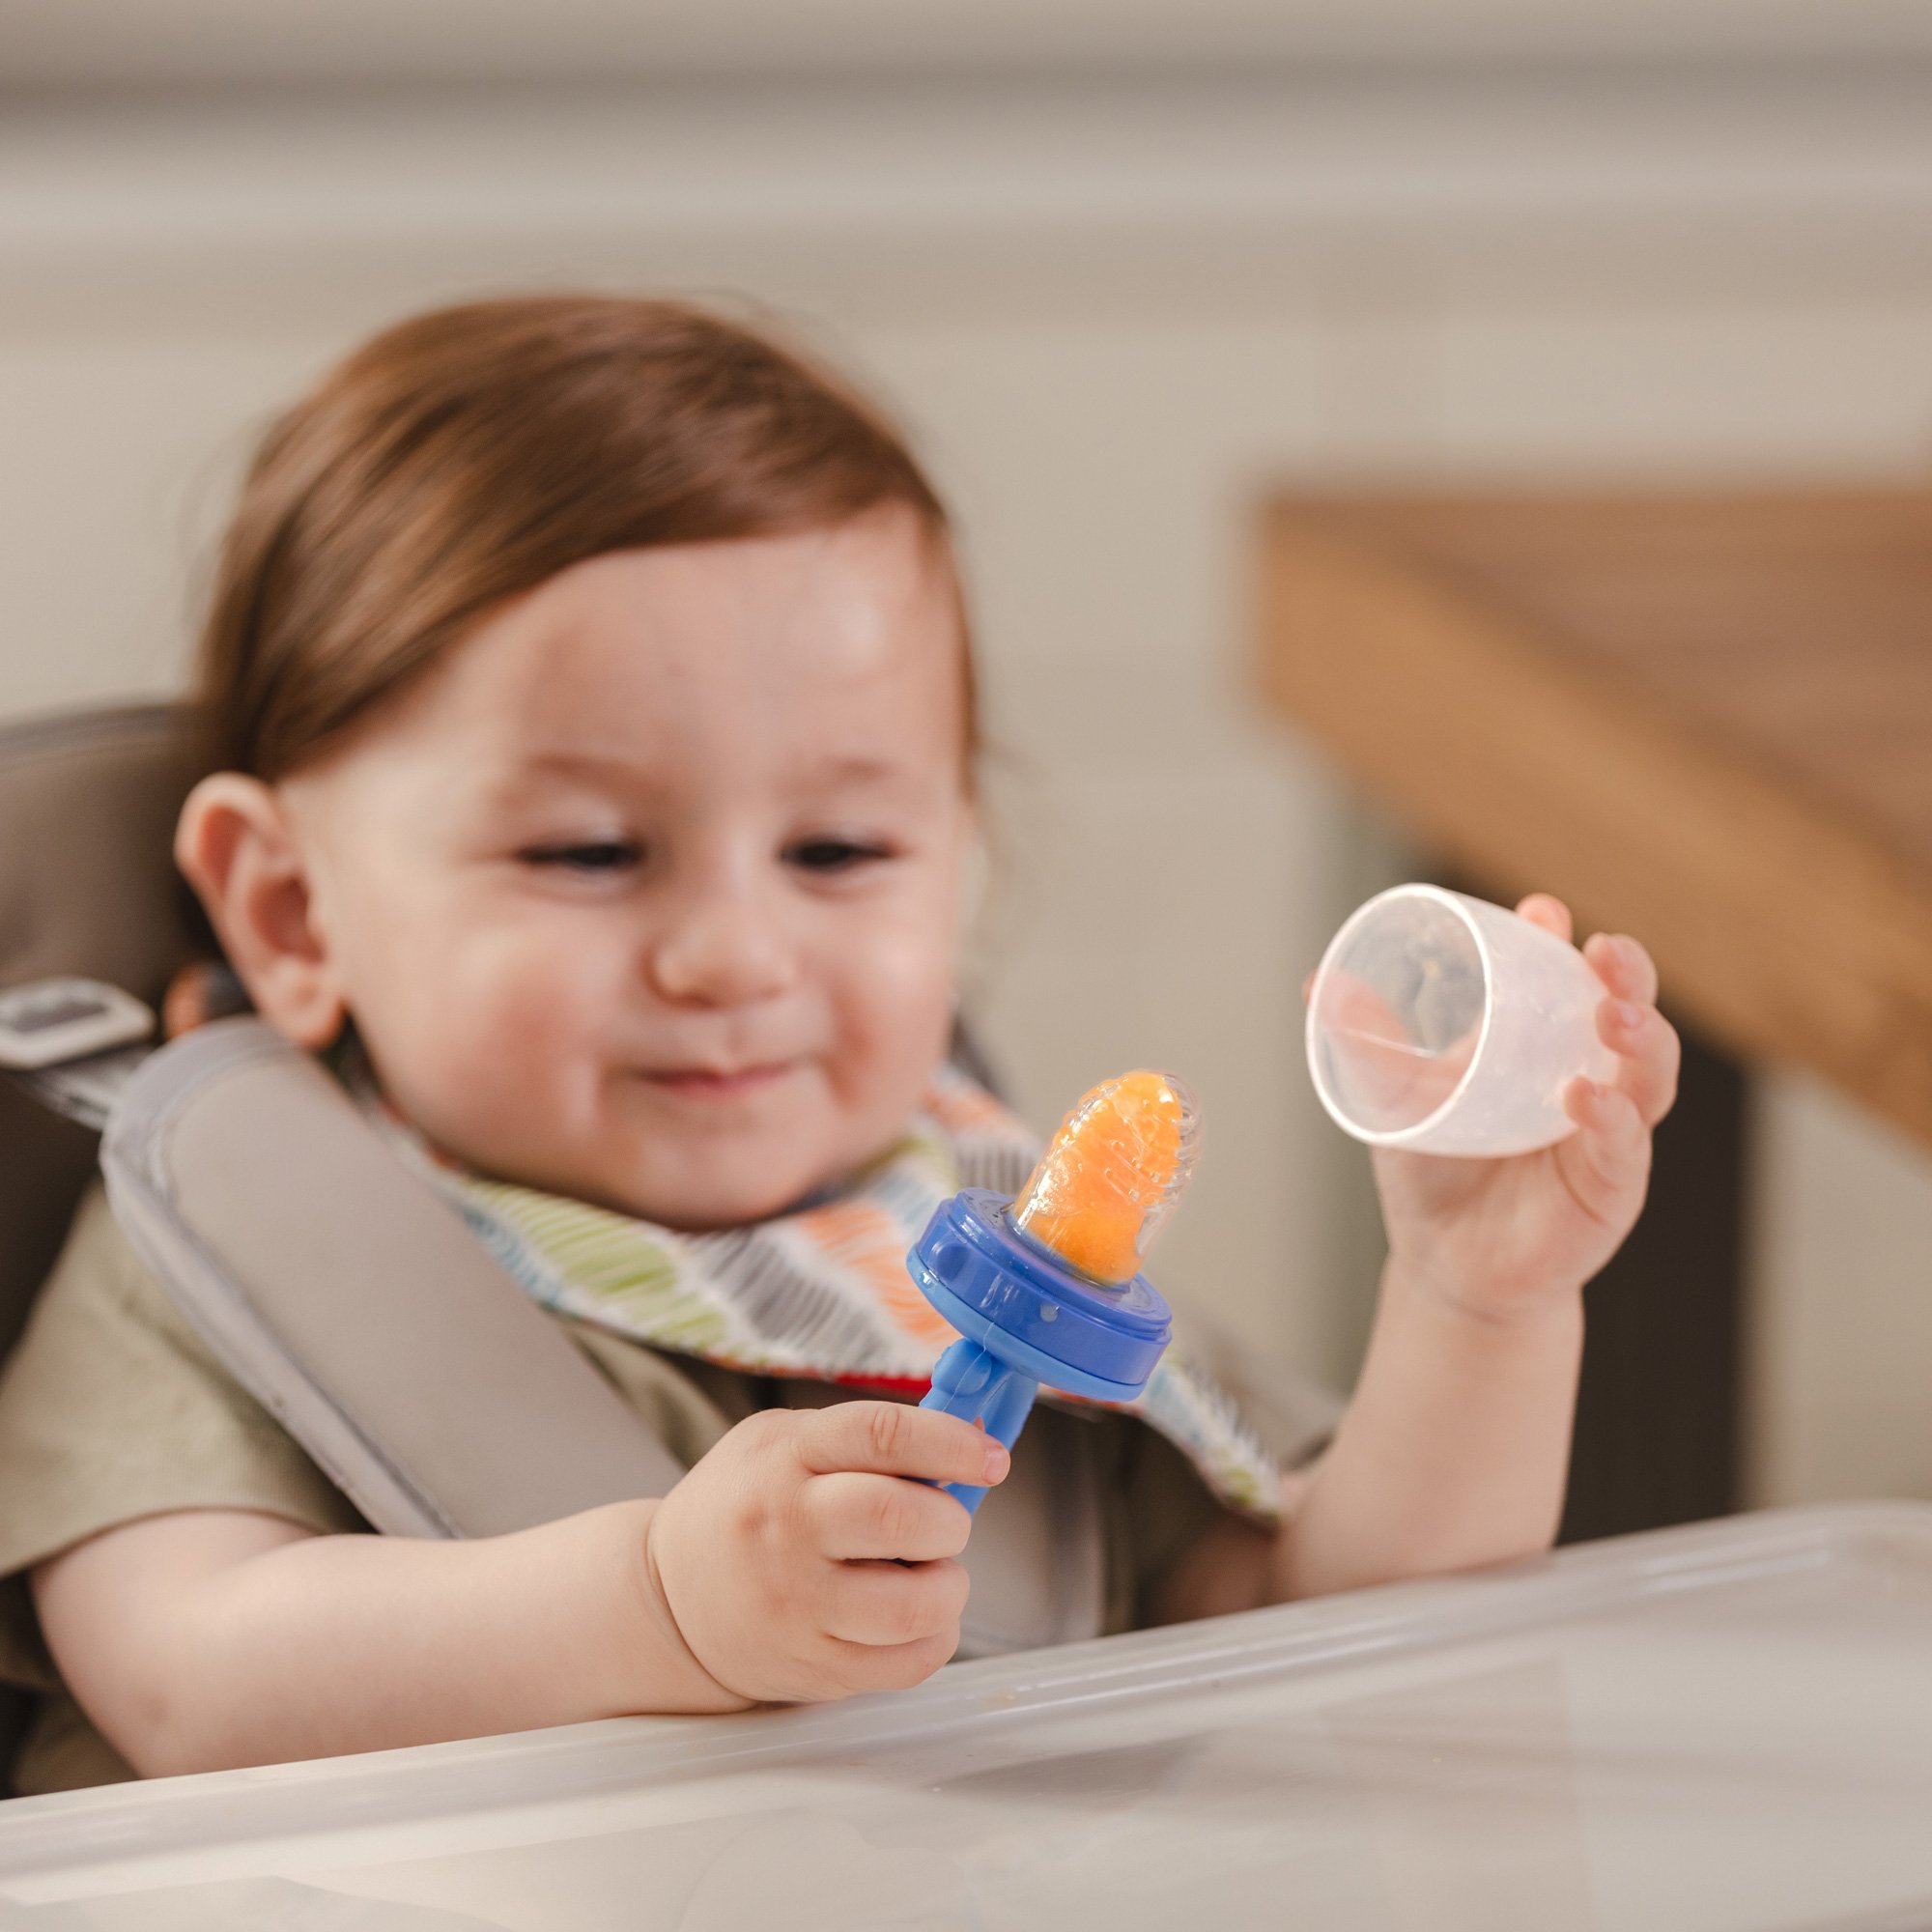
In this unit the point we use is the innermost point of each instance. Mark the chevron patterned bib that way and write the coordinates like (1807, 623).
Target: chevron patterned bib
(821, 1291)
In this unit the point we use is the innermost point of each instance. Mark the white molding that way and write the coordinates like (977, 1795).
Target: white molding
(109, 42)
(1241, 168)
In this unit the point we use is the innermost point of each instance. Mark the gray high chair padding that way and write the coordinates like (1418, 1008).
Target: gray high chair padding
(87, 803)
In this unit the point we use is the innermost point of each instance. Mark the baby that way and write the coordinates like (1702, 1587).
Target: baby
(591, 728)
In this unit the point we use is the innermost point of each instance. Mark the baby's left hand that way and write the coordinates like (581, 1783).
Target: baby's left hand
(1507, 1238)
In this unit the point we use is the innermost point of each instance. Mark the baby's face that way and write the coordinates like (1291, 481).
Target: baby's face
(650, 893)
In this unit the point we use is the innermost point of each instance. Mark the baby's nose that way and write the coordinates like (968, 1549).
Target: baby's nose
(721, 950)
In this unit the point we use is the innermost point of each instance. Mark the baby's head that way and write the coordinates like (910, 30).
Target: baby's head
(593, 721)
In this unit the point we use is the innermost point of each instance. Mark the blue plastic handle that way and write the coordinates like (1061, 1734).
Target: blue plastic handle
(974, 1384)
(1027, 1319)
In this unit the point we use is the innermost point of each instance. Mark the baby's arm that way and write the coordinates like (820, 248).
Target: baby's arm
(1455, 1449)
(1451, 1455)
(210, 1638)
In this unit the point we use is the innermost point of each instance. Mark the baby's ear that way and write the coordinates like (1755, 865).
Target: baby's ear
(238, 848)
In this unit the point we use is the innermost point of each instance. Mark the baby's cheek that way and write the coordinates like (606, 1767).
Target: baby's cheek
(493, 1036)
(895, 1004)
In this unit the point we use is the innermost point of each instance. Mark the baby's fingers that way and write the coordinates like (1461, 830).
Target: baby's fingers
(1607, 1162)
(887, 1666)
(863, 1516)
(893, 1438)
(894, 1603)
(1545, 910)
(1623, 966)
(1651, 1053)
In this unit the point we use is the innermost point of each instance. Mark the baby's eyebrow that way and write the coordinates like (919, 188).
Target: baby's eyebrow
(855, 768)
(565, 763)
(535, 775)
(544, 770)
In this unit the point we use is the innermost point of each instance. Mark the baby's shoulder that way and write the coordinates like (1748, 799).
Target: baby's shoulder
(99, 1278)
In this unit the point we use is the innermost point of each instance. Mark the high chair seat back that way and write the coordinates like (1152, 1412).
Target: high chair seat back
(88, 802)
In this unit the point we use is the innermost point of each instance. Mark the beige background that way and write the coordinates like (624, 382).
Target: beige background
(1113, 299)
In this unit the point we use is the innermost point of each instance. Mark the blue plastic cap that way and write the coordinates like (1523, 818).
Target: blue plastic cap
(1022, 1303)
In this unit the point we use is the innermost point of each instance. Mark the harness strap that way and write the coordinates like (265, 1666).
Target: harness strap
(351, 1299)
(84, 1090)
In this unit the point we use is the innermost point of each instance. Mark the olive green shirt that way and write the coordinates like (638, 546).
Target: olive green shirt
(112, 1410)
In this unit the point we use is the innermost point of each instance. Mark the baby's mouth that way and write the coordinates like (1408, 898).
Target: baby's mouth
(716, 1083)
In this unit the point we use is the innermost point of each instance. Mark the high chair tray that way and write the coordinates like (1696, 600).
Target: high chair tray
(1729, 1725)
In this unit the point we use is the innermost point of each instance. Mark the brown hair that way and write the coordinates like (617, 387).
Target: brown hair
(464, 456)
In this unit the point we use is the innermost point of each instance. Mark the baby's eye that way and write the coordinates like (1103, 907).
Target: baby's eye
(595, 855)
(833, 855)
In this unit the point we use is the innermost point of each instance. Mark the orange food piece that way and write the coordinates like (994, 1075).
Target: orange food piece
(1117, 1158)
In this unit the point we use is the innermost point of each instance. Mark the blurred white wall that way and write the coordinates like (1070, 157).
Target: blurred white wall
(1113, 308)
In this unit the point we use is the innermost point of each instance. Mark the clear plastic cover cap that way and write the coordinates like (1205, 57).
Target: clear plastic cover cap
(1449, 1026)
(1398, 1012)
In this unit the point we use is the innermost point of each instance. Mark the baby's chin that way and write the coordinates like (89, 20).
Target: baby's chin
(701, 1200)
(699, 1178)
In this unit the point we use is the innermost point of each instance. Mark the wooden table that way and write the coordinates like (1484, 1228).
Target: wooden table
(1704, 719)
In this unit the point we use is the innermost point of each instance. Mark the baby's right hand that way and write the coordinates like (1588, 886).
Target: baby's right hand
(805, 1558)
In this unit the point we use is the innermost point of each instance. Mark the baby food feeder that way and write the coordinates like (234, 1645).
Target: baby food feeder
(1047, 1289)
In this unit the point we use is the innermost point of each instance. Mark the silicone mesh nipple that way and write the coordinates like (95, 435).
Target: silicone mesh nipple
(1121, 1160)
